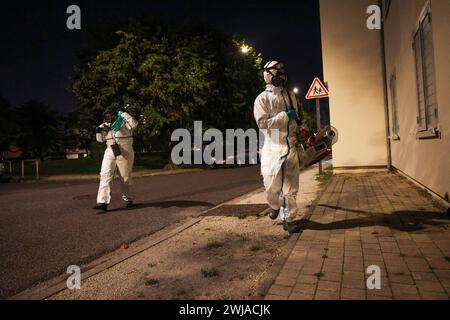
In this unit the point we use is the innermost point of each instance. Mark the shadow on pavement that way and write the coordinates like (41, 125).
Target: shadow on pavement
(409, 221)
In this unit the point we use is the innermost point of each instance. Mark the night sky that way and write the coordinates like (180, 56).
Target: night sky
(37, 51)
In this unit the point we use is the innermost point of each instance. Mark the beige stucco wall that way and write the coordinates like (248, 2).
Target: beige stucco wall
(427, 161)
(353, 70)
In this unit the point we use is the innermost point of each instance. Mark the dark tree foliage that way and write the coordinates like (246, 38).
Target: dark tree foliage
(39, 130)
(7, 124)
(172, 76)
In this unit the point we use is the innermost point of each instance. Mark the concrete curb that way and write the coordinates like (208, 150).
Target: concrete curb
(275, 269)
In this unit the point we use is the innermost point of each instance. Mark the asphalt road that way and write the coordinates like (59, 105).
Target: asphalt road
(45, 227)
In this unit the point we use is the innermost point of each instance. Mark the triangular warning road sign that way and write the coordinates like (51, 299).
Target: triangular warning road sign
(317, 90)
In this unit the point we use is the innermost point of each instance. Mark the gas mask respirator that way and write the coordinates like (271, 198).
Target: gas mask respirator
(278, 77)
(110, 120)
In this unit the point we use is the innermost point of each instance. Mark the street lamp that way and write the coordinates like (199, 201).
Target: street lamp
(244, 49)
(296, 90)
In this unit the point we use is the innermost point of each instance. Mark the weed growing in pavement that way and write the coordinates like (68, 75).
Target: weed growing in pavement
(151, 282)
(210, 272)
(214, 245)
(255, 247)
(326, 176)
(319, 274)
(243, 238)
(184, 294)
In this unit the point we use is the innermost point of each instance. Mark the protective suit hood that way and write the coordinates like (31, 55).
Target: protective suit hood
(274, 74)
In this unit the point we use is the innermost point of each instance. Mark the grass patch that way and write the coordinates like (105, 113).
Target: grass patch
(287, 237)
(88, 165)
(326, 176)
(324, 256)
(140, 295)
(214, 245)
(255, 247)
(243, 238)
(151, 282)
(183, 294)
(242, 216)
(209, 272)
(151, 265)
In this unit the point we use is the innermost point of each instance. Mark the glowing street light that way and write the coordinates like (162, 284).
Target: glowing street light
(244, 49)
(296, 90)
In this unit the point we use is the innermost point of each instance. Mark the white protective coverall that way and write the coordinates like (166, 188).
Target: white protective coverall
(124, 162)
(279, 161)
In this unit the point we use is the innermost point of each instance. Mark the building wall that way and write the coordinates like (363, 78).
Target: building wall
(353, 69)
(426, 161)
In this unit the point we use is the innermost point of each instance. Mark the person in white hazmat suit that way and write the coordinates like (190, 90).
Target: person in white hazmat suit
(117, 131)
(275, 112)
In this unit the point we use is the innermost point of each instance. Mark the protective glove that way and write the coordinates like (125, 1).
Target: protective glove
(119, 123)
(292, 114)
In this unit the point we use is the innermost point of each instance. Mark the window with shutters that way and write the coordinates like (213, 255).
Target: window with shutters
(394, 107)
(427, 111)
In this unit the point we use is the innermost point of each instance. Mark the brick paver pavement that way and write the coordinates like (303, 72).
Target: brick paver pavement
(369, 219)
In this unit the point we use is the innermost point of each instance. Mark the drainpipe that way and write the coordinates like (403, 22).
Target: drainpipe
(385, 91)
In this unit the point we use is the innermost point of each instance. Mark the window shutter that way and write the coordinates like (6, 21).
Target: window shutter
(429, 73)
(394, 105)
(421, 119)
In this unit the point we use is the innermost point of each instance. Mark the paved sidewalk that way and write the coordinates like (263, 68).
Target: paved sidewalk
(369, 219)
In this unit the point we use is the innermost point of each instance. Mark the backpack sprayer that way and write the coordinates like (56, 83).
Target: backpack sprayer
(314, 147)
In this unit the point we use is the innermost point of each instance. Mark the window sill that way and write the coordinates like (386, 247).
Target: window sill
(429, 134)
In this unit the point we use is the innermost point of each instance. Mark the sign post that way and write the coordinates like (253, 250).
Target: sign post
(319, 127)
(318, 91)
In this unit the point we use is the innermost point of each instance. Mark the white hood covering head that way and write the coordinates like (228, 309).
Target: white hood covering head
(270, 70)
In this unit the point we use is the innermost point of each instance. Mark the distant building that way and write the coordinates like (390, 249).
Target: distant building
(13, 153)
(390, 88)
(76, 153)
